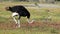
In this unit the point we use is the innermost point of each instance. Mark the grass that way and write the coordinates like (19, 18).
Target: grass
(36, 14)
(21, 32)
(30, 31)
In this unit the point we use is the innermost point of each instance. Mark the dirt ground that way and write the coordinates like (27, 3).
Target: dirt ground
(34, 24)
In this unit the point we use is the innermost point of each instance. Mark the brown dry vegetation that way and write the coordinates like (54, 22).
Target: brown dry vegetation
(34, 24)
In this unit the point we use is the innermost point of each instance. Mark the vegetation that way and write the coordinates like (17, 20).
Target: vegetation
(40, 16)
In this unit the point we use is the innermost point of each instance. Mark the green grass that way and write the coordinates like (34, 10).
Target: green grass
(30, 31)
(19, 31)
(36, 14)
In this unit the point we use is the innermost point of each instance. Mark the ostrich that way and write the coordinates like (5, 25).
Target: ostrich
(19, 11)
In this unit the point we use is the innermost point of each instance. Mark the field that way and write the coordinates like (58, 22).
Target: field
(41, 25)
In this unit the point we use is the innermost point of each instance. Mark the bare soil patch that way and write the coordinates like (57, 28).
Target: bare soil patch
(34, 24)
